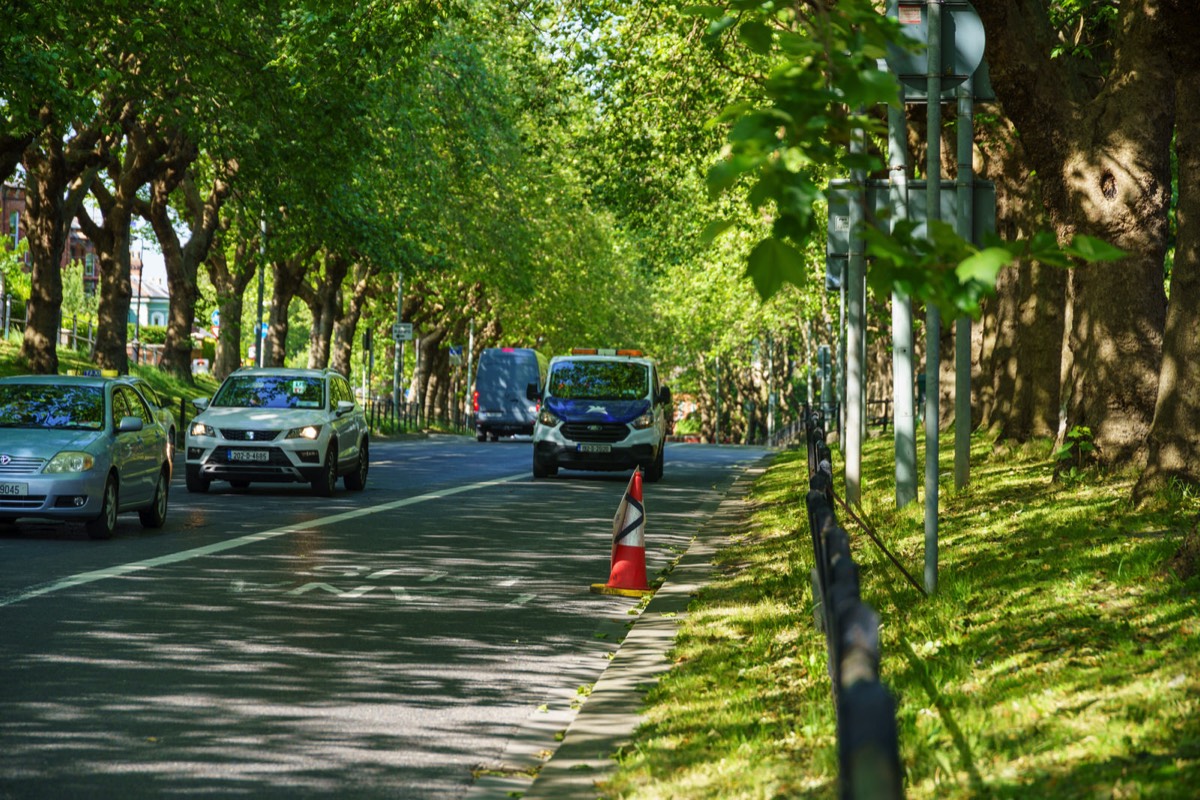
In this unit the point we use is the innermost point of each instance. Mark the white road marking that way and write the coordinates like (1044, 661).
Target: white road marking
(120, 570)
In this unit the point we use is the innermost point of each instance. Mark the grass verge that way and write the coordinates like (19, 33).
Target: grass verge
(169, 387)
(1059, 657)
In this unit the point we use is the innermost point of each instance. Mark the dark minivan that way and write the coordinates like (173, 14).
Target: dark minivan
(501, 407)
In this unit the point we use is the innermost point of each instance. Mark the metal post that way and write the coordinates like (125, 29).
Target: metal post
(262, 268)
(717, 422)
(470, 358)
(904, 429)
(840, 367)
(855, 329)
(962, 331)
(398, 345)
(933, 322)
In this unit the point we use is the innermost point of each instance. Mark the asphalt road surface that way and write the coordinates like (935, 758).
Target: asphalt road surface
(268, 643)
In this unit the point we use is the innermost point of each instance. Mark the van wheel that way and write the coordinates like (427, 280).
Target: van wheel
(543, 470)
(481, 435)
(654, 472)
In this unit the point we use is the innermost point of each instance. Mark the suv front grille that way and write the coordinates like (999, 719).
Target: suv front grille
(595, 431)
(236, 435)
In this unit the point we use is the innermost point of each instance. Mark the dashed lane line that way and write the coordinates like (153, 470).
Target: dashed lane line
(119, 570)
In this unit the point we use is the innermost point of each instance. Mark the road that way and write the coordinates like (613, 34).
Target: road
(267, 643)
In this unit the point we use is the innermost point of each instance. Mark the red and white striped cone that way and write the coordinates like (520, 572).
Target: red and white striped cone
(628, 573)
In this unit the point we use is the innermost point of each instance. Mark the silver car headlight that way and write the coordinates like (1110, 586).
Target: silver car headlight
(305, 432)
(546, 417)
(644, 421)
(70, 461)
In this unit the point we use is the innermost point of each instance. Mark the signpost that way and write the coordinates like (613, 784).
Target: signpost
(402, 332)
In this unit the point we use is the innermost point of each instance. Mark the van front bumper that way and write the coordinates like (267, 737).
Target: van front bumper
(588, 456)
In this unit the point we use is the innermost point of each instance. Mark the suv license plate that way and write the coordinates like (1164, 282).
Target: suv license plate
(249, 455)
(594, 448)
(14, 489)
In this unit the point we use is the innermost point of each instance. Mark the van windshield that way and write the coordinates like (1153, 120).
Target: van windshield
(599, 380)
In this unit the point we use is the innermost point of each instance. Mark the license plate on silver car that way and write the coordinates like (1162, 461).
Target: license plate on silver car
(249, 455)
(14, 489)
(595, 448)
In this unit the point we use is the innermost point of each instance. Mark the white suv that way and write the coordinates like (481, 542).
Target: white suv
(601, 410)
(279, 425)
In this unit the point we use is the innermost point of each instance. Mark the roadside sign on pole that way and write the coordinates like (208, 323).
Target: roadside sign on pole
(402, 332)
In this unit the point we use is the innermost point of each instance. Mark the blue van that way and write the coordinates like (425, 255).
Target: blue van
(499, 401)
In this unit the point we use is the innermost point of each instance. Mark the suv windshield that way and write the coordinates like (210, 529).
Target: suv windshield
(271, 391)
(29, 405)
(599, 380)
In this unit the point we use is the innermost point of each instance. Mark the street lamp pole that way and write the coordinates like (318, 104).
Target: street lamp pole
(262, 266)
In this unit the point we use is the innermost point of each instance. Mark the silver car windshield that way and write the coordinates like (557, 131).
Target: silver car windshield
(37, 405)
(270, 391)
(598, 380)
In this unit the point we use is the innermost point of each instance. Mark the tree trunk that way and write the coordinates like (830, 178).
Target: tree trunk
(289, 274)
(183, 260)
(323, 302)
(1102, 152)
(56, 181)
(1022, 329)
(1174, 441)
(343, 339)
(231, 288)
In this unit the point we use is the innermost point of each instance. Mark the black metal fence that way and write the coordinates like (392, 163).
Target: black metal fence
(868, 745)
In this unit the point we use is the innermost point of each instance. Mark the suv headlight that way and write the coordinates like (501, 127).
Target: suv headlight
(644, 421)
(547, 418)
(200, 429)
(70, 461)
(305, 432)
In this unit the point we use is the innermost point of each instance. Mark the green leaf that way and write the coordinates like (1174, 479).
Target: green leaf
(1091, 249)
(983, 266)
(705, 12)
(772, 263)
(756, 36)
(714, 229)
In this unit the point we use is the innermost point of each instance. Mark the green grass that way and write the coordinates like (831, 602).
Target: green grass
(1059, 657)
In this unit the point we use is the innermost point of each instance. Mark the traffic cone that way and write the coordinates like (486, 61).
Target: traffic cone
(628, 574)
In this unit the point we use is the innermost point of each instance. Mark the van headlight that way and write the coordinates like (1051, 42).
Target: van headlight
(644, 421)
(547, 418)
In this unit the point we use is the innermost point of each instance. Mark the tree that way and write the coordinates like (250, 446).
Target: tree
(1101, 150)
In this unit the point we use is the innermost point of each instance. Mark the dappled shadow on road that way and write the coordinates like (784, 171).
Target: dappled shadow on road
(386, 656)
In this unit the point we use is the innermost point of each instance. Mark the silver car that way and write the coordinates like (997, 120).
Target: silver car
(279, 425)
(80, 449)
(162, 411)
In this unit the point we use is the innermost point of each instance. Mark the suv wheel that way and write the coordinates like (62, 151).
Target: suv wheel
(195, 482)
(357, 480)
(323, 485)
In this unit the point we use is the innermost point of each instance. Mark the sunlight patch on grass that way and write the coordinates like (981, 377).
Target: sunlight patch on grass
(1059, 657)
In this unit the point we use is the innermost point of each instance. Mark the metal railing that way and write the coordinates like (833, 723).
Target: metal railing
(868, 744)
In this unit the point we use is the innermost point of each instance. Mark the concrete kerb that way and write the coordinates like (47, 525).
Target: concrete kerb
(608, 718)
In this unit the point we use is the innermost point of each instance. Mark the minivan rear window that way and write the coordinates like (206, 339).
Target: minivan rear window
(599, 380)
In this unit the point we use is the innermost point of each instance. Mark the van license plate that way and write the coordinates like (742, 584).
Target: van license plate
(249, 455)
(594, 448)
(14, 489)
